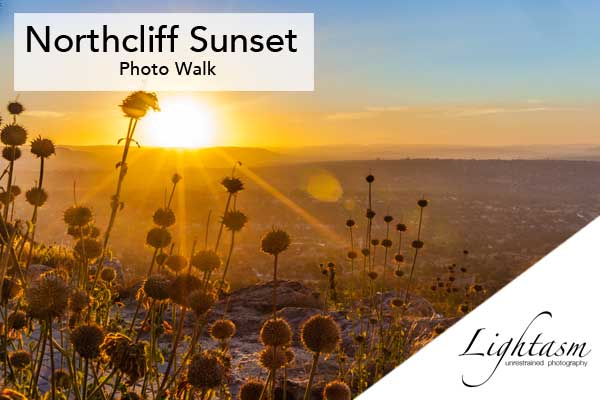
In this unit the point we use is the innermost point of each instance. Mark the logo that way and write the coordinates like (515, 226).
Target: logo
(532, 348)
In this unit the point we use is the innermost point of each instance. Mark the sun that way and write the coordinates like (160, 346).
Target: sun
(183, 122)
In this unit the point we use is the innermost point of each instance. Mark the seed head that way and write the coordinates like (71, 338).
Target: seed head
(15, 108)
(251, 390)
(271, 358)
(176, 262)
(275, 242)
(206, 371)
(350, 223)
(276, 332)
(397, 302)
(124, 355)
(42, 148)
(387, 243)
(417, 244)
(365, 252)
(36, 196)
(87, 339)
(370, 214)
(78, 300)
(11, 153)
(11, 289)
(161, 258)
(222, 329)
(62, 379)
(320, 334)
(20, 359)
(232, 185)
(370, 178)
(88, 248)
(47, 297)
(399, 273)
(78, 216)
(401, 227)
(13, 135)
(108, 274)
(352, 255)
(182, 288)
(136, 105)
(422, 203)
(388, 218)
(399, 258)
(164, 217)
(372, 275)
(337, 390)
(206, 260)
(234, 220)
(200, 302)
(17, 320)
(158, 287)
(158, 238)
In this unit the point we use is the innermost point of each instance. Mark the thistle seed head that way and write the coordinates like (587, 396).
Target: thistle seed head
(78, 216)
(206, 260)
(158, 287)
(47, 297)
(78, 300)
(17, 320)
(320, 334)
(88, 248)
(164, 217)
(42, 148)
(337, 390)
(271, 358)
(137, 104)
(15, 108)
(108, 274)
(200, 302)
(158, 238)
(206, 371)
(232, 185)
(176, 262)
(20, 359)
(11, 153)
(251, 390)
(234, 220)
(13, 135)
(87, 339)
(182, 287)
(222, 329)
(275, 242)
(36, 196)
(276, 332)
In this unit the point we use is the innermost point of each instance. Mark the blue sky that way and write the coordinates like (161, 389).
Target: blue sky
(397, 53)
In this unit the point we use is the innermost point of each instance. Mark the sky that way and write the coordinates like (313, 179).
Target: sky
(387, 72)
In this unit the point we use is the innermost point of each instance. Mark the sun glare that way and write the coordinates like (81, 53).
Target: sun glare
(182, 122)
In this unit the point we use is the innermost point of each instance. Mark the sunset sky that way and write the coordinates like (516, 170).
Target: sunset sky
(418, 72)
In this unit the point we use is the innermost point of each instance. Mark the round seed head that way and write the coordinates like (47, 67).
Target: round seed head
(36, 196)
(15, 108)
(137, 104)
(200, 302)
(206, 260)
(78, 300)
(422, 203)
(387, 243)
(108, 274)
(13, 135)
(251, 390)
(11, 153)
(365, 252)
(158, 287)
(370, 178)
(17, 320)
(182, 286)
(62, 379)
(11, 289)
(399, 258)
(88, 248)
(164, 217)
(161, 258)
(370, 214)
(78, 216)
(320, 334)
(276, 332)
(399, 273)
(158, 238)
(234, 220)
(275, 242)
(20, 359)
(350, 223)
(337, 390)
(176, 262)
(222, 329)
(352, 255)
(206, 371)
(417, 244)
(388, 218)
(271, 358)
(47, 297)
(42, 148)
(232, 185)
(87, 339)
(372, 275)
(401, 227)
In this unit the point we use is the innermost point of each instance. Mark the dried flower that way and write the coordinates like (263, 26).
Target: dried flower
(47, 297)
(275, 242)
(164, 217)
(13, 135)
(11, 153)
(222, 329)
(251, 390)
(20, 359)
(15, 108)
(206, 371)
(337, 390)
(276, 332)
(200, 302)
(320, 334)
(158, 287)
(78, 216)
(182, 288)
(36, 196)
(108, 274)
(87, 339)
(11, 289)
(17, 320)
(232, 185)
(234, 220)
(136, 105)
(78, 300)
(206, 260)
(90, 248)
(350, 223)
(42, 148)
(422, 203)
(61, 379)
(158, 238)
(271, 358)
(176, 262)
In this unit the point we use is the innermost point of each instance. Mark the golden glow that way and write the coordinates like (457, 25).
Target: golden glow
(323, 186)
(182, 122)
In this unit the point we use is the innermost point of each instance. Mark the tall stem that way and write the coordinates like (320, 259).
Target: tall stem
(313, 369)
(275, 286)
(228, 261)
